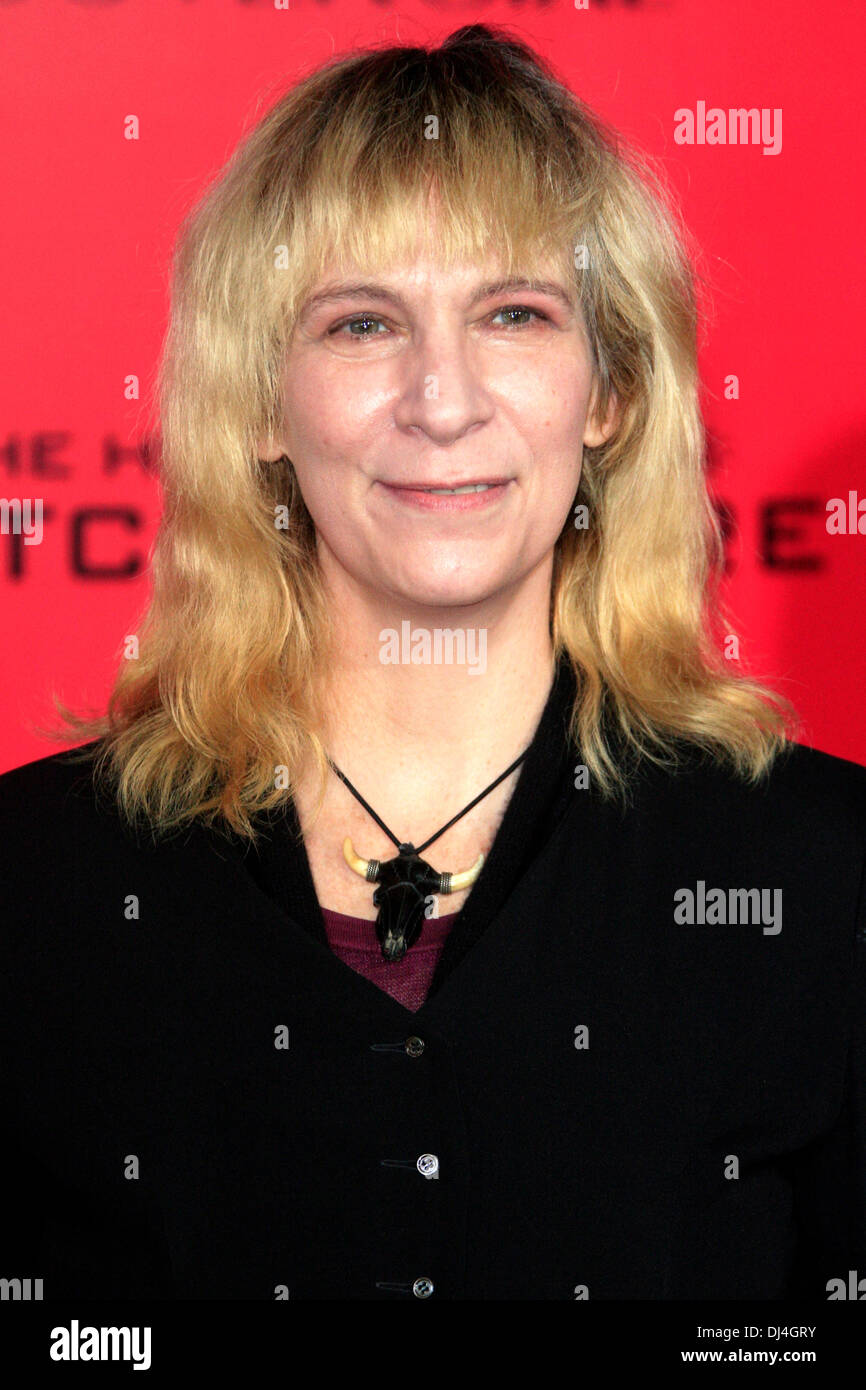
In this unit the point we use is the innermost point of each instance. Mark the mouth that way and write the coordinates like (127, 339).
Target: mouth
(458, 496)
(451, 489)
(457, 491)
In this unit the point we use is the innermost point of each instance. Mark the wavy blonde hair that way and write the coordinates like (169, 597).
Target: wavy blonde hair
(224, 689)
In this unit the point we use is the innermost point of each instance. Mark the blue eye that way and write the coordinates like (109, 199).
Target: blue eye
(360, 318)
(519, 309)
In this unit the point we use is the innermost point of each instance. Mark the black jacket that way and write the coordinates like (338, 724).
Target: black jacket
(619, 1104)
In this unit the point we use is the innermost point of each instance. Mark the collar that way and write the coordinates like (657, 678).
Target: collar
(278, 863)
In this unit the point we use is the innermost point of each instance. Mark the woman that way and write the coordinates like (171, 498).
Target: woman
(437, 567)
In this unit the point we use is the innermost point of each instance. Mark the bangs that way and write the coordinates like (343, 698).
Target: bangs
(425, 162)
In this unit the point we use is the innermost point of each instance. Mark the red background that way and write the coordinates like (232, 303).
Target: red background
(89, 220)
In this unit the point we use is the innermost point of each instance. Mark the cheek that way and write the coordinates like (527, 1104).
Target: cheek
(553, 404)
(318, 436)
(556, 444)
(326, 414)
(321, 450)
(554, 434)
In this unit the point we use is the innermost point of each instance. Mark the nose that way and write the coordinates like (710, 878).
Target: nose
(443, 389)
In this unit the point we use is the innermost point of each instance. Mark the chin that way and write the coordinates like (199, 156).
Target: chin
(447, 594)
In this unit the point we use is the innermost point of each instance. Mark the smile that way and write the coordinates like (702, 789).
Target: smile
(466, 497)
(456, 491)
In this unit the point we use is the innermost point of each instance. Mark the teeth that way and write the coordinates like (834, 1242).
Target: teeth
(455, 491)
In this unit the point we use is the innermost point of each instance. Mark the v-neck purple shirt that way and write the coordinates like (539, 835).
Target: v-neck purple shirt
(354, 940)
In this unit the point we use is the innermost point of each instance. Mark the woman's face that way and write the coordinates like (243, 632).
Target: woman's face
(433, 378)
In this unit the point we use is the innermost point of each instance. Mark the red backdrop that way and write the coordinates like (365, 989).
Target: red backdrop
(90, 216)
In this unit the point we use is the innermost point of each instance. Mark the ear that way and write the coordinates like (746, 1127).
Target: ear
(270, 449)
(597, 432)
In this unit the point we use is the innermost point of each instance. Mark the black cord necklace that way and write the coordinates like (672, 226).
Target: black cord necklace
(406, 880)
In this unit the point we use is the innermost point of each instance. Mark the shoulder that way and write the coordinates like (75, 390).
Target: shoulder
(803, 823)
(60, 826)
(810, 772)
(56, 772)
(807, 811)
(43, 806)
(802, 783)
(46, 795)
(62, 830)
(70, 859)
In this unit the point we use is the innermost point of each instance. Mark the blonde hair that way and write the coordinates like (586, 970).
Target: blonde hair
(224, 689)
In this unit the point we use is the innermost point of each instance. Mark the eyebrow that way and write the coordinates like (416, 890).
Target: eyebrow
(358, 289)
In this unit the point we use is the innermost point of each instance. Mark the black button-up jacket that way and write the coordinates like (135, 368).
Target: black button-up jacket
(599, 1098)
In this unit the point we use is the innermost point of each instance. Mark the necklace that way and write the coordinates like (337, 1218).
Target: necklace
(405, 881)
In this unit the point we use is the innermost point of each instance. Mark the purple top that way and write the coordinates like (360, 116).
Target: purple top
(354, 940)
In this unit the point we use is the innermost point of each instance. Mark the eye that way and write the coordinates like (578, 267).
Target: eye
(365, 321)
(349, 323)
(520, 309)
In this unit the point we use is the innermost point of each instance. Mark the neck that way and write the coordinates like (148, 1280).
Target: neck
(442, 729)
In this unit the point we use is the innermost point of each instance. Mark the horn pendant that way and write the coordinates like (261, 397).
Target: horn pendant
(403, 885)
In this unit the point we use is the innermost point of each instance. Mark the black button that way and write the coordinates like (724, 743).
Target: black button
(422, 1288)
(414, 1046)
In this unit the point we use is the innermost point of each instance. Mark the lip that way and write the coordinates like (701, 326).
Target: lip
(420, 485)
(415, 496)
